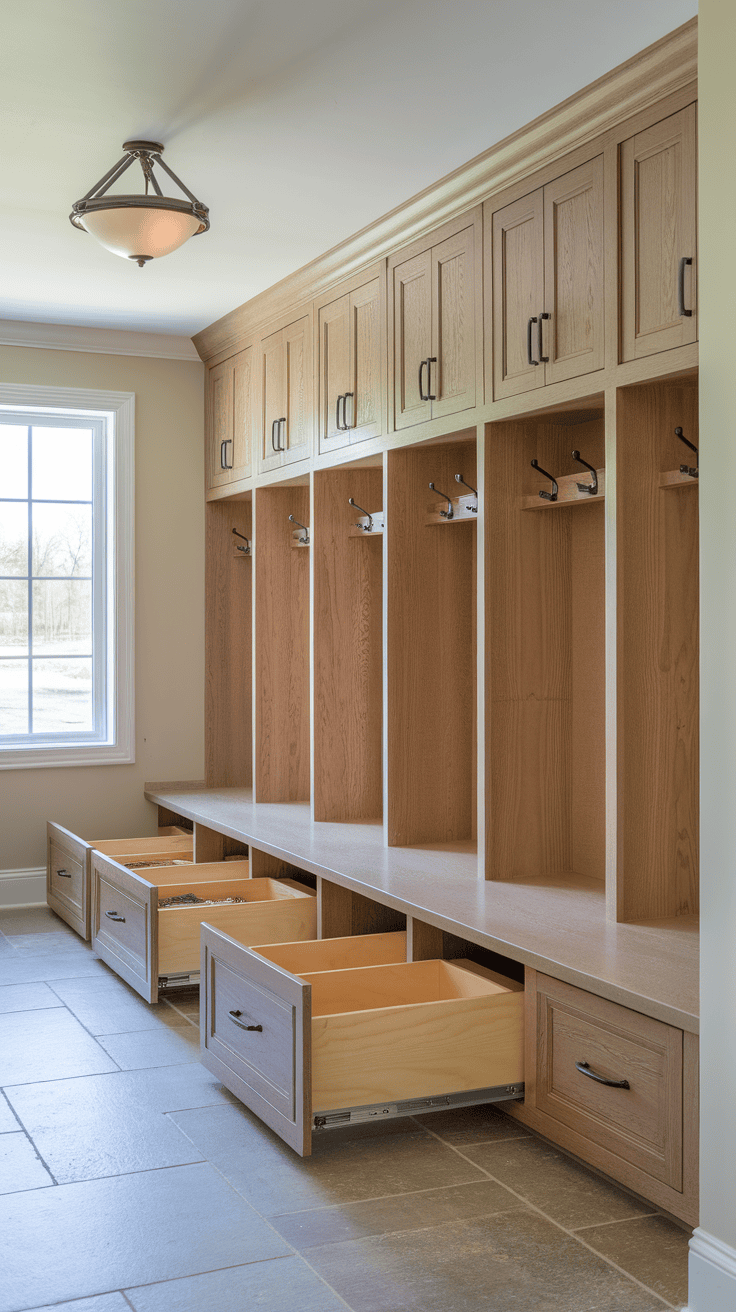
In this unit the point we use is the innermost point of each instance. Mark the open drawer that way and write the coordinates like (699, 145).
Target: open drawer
(149, 945)
(68, 866)
(319, 1035)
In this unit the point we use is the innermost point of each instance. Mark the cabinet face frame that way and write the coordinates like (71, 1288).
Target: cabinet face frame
(351, 356)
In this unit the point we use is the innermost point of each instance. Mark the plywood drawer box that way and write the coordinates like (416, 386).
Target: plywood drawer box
(68, 868)
(313, 1036)
(613, 1076)
(145, 943)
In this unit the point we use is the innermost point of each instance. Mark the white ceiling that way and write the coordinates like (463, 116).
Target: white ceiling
(298, 123)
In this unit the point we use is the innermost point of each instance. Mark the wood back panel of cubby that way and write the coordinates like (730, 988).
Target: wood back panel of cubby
(545, 656)
(658, 667)
(431, 723)
(282, 771)
(347, 648)
(228, 662)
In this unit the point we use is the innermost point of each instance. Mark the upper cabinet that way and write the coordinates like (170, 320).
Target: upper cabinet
(435, 295)
(230, 412)
(352, 363)
(285, 434)
(545, 262)
(658, 237)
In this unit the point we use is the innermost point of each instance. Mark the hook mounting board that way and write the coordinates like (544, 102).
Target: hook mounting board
(464, 508)
(568, 493)
(360, 529)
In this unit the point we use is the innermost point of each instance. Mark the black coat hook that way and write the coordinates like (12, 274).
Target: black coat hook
(590, 488)
(246, 548)
(546, 496)
(367, 528)
(304, 542)
(446, 514)
(692, 470)
(459, 479)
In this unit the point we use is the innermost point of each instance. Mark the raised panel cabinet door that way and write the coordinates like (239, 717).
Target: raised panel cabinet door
(334, 373)
(452, 378)
(365, 409)
(518, 295)
(219, 424)
(296, 433)
(412, 293)
(243, 414)
(658, 237)
(273, 401)
(573, 273)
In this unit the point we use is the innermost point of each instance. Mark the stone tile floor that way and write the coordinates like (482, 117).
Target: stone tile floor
(129, 1178)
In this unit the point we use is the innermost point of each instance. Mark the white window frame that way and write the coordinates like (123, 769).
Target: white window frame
(118, 410)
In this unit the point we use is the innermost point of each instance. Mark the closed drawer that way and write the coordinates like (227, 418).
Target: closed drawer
(146, 942)
(611, 1075)
(308, 1039)
(69, 871)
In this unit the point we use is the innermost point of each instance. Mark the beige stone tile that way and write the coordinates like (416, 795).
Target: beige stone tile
(77, 1240)
(345, 1166)
(33, 920)
(472, 1125)
(58, 940)
(565, 1191)
(334, 1225)
(27, 997)
(20, 1167)
(285, 1283)
(163, 1046)
(110, 1006)
(39, 1045)
(103, 1303)
(24, 968)
(8, 1123)
(513, 1262)
(651, 1248)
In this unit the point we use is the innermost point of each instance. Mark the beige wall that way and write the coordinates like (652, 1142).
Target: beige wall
(717, 263)
(107, 801)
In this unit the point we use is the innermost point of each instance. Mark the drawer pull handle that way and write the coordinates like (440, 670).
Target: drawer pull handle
(113, 915)
(584, 1069)
(234, 1018)
(63, 874)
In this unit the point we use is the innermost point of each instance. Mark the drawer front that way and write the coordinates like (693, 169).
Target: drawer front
(268, 1069)
(580, 1037)
(125, 924)
(67, 877)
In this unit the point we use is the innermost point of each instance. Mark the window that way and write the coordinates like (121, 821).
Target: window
(66, 465)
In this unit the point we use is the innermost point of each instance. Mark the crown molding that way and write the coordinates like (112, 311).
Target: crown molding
(661, 70)
(97, 341)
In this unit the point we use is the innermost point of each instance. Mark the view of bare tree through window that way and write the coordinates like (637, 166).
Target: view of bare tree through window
(46, 569)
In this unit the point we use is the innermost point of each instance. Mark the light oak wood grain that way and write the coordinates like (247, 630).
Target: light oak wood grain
(337, 953)
(228, 647)
(342, 911)
(517, 264)
(573, 337)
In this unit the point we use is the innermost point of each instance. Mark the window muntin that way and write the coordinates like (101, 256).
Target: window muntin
(56, 567)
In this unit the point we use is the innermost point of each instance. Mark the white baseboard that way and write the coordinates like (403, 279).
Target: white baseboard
(23, 888)
(712, 1275)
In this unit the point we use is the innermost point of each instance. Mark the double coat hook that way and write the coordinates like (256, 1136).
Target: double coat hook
(246, 549)
(546, 496)
(692, 470)
(459, 479)
(304, 542)
(366, 528)
(592, 487)
(449, 513)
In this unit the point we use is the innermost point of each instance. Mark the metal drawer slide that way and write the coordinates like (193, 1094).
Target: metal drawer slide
(381, 1111)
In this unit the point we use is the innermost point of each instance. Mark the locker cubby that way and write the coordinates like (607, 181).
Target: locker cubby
(545, 650)
(431, 722)
(228, 647)
(281, 646)
(348, 646)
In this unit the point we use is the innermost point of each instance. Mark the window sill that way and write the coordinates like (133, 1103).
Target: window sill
(46, 756)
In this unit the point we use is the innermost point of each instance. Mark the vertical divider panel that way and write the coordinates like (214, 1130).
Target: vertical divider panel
(282, 747)
(228, 591)
(431, 650)
(347, 648)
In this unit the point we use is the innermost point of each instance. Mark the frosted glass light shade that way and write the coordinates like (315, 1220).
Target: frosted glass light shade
(138, 231)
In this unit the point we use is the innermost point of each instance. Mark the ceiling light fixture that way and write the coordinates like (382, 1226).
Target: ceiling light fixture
(141, 227)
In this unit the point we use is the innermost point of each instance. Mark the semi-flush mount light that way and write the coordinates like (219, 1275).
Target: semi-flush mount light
(141, 227)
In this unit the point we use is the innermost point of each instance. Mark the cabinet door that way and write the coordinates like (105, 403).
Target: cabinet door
(219, 424)
(453, 324)
(573, 273)
(335, 378)
(658, 233)
(412, 292)
(243, 380)
(518, 294)
(273, 400)
(296, 433)
(365, 408)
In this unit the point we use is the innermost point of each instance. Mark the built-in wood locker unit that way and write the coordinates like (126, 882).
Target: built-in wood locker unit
(544, 255)
(281, 644)
(228, 644)
(348, 643)
(545, 647)
(231, 415)
(431, 723)
(658, 237)
(657, 622)
(434, 324)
